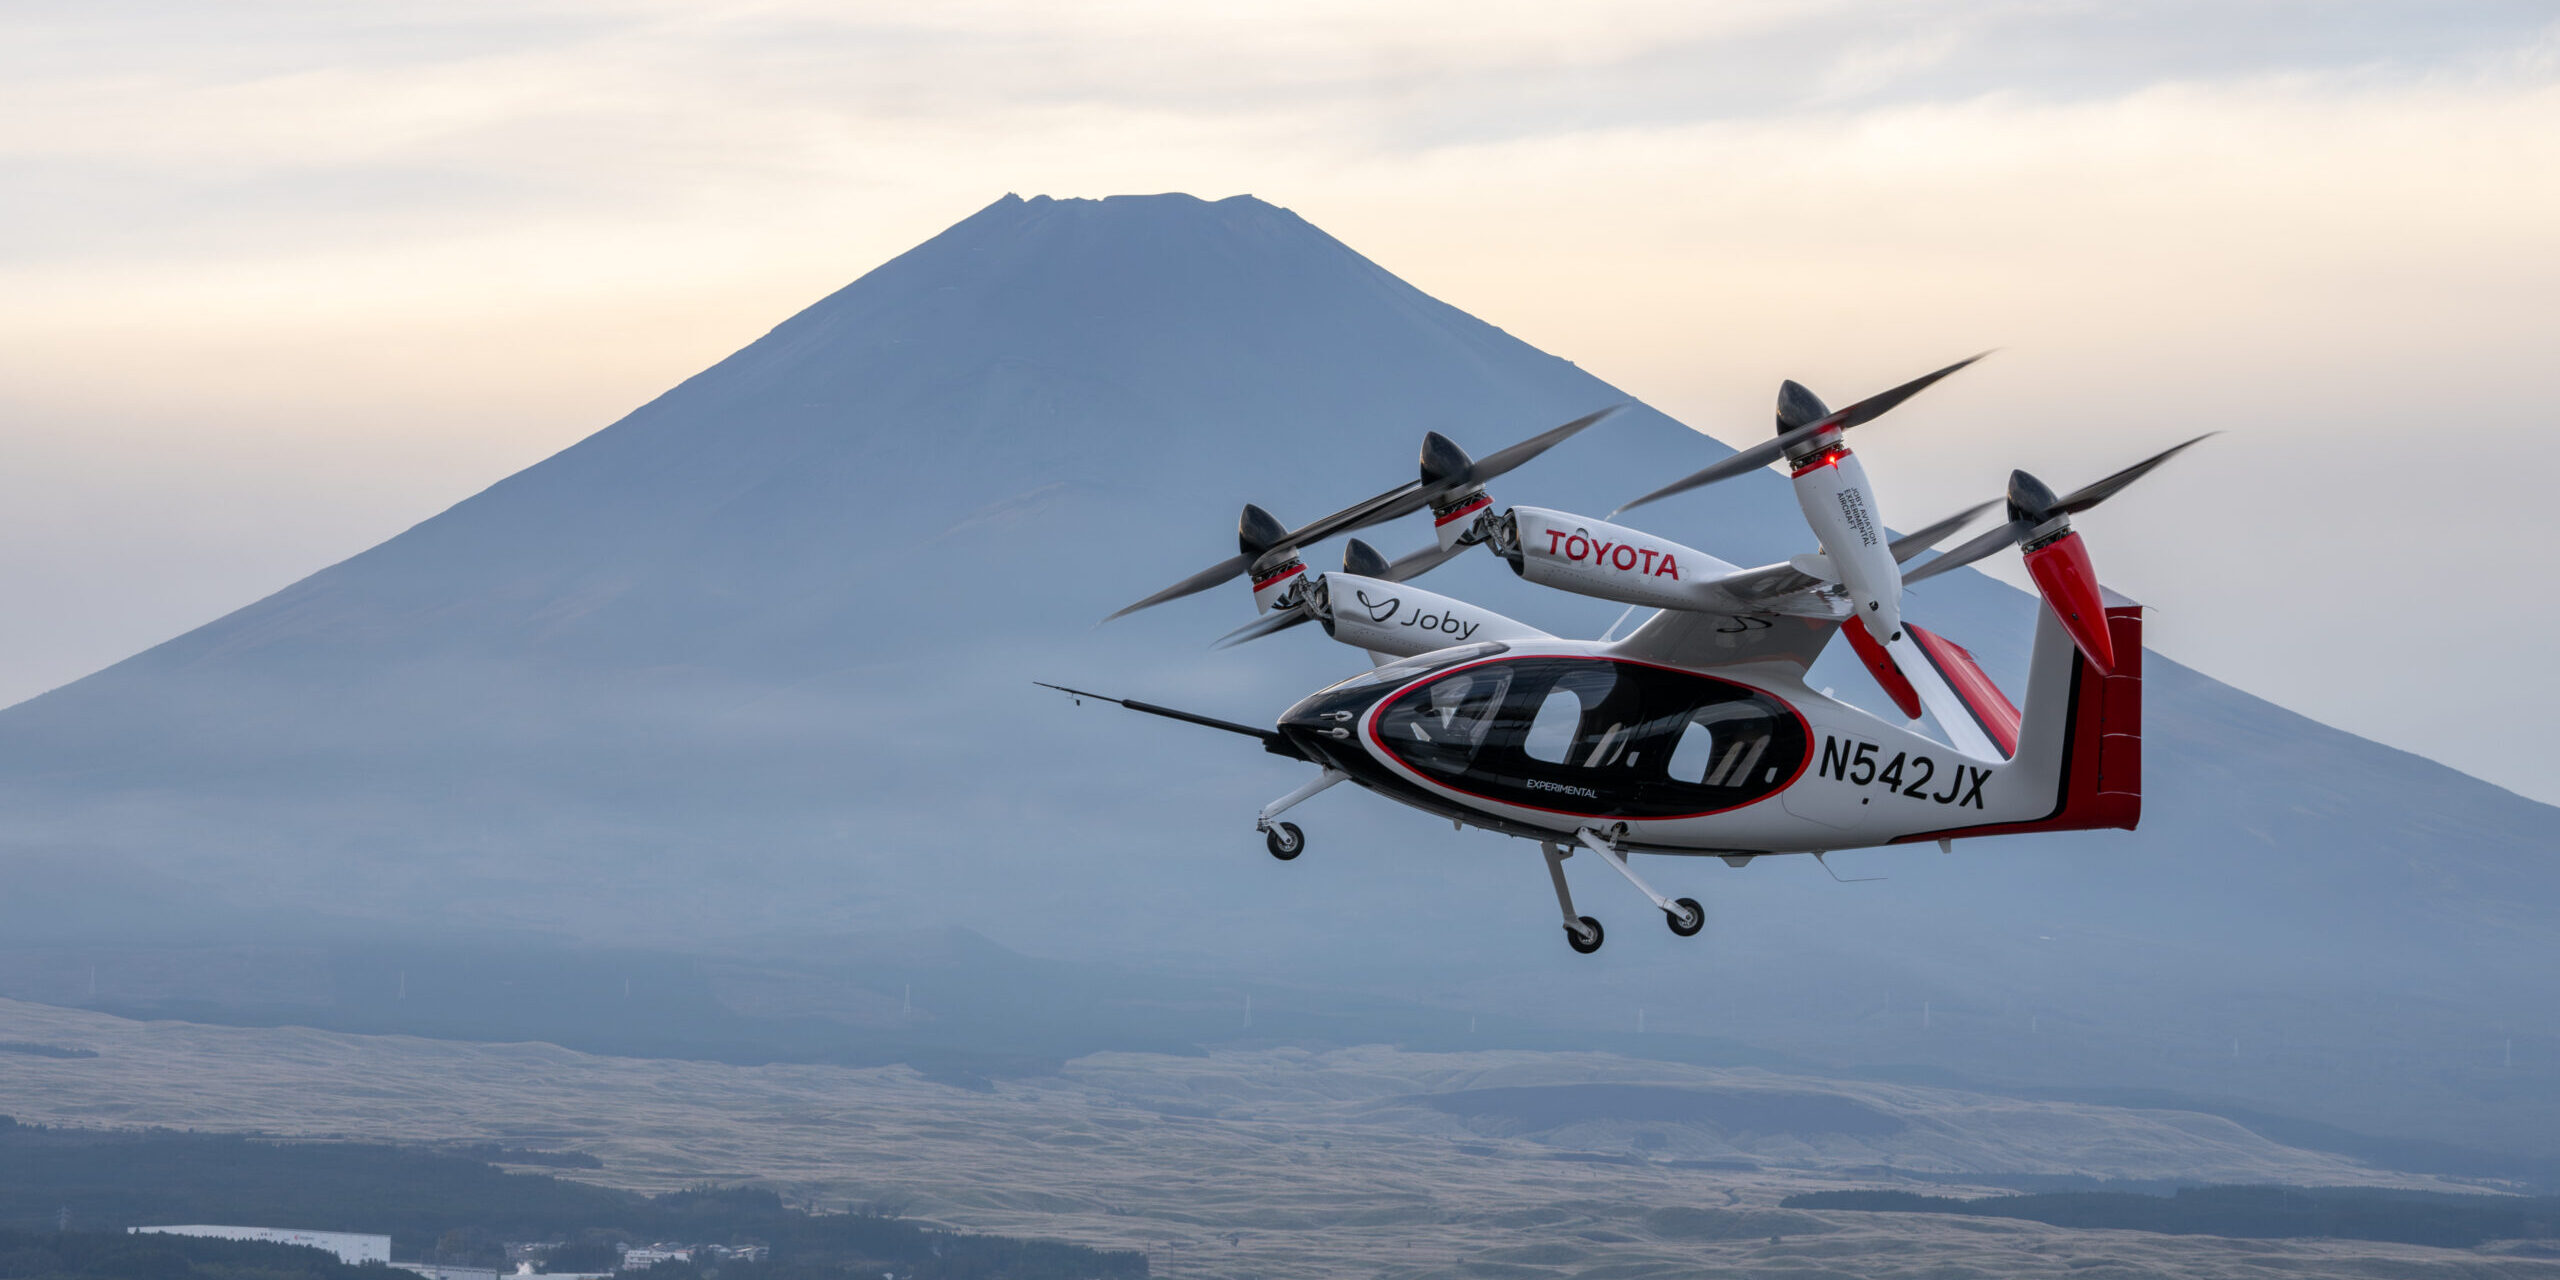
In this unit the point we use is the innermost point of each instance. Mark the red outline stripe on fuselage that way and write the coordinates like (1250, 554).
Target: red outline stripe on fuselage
(1369, 730)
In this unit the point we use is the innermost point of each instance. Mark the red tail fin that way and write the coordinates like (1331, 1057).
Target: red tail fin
(2098, 783)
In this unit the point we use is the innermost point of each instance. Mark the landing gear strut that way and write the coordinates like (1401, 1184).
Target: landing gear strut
(1685, 916)
(1283, 839)
(1581, 932)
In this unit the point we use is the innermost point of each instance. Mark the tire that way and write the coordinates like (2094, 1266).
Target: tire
(1694, 920)
(1285, 841)
(1579, 943)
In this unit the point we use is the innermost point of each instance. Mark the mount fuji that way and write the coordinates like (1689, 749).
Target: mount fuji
(752, 669)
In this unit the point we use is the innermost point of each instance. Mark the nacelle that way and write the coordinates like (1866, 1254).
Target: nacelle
(1395, 618)
(1612, 562)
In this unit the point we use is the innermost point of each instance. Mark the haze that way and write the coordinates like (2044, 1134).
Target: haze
(280, 280)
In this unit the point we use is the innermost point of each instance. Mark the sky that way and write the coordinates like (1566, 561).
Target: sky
(278, 280)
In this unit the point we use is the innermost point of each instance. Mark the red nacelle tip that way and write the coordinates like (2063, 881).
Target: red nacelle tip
(2069, 582)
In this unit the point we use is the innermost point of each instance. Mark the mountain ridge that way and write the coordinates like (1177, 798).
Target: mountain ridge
(755, 661)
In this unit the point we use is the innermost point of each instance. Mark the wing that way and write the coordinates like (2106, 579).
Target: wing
(1770, 582)
(1705, 638)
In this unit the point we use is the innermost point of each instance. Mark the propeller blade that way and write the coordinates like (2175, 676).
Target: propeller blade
(1747, 460)
(1414, 564)
(1882, 403)
(1974, 548)
(1403, 568)
(1269, 624)
(1404, 499)
(1313, 531)
(1496, 464)
(1193, 585)
(1921, 539)
(1768, 451)
(2092, 494)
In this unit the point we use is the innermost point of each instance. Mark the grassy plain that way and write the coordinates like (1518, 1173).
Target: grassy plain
(1273, 1161)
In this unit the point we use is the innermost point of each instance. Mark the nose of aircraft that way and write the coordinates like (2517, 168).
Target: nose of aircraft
(1324, 724)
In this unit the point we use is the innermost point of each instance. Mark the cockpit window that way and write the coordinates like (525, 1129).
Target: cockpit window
(1449, 721)
(1719, 745)
(1570, 702)
(1592, 735)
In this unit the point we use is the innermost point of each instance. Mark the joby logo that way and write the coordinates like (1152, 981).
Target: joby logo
(1380, 612)
(1626, 557)
(1449, 624)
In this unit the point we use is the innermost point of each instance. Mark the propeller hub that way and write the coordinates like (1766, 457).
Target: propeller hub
(2030, 499)
(1442, 459)
(1258, 531)
(1798, 406)
(1361, 560)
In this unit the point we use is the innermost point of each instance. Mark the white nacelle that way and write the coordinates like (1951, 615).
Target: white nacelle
(1612, 562)
(1840, 506)
(1395, 618)
(1271, 587)
(1453, 520)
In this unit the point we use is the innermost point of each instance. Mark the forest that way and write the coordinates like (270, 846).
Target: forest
(67, 1194)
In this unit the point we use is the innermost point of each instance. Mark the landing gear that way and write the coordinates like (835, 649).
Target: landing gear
(1688, 918)
(1285, 841)
(1581, 932)
(1684, 914)
(1584, 935)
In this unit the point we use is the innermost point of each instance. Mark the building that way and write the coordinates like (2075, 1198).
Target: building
(351, 1247)
(435, 1271)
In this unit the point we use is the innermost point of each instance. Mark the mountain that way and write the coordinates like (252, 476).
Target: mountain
(750, 670)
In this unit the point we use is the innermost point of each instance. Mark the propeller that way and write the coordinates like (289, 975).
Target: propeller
(1801, 417)
(2031, 505)
(1359, 559)
(2040, 523)
(1927, 536)
(1446, 472)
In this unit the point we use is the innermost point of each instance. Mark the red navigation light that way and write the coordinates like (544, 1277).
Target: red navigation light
(1829, 457)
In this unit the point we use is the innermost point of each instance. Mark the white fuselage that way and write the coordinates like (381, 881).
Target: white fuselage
(1559, 736)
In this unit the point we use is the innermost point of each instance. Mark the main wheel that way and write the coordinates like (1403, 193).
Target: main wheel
(1285, 841)
(1586, 939)
(1688, 919)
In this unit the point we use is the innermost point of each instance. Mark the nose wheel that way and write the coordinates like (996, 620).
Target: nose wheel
(1285, 841)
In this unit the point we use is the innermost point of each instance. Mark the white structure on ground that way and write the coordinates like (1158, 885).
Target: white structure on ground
(351, 1247)
(437, 1271)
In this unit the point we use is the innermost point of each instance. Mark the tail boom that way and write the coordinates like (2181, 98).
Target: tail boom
(2083, 726)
